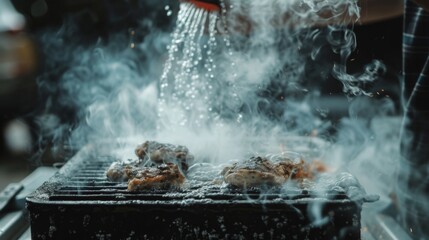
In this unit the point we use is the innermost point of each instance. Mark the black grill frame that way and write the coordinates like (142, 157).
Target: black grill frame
(80, 203)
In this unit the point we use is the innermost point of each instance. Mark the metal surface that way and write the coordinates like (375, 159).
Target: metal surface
(7, 196)
(383, 226)
(14, 222)
(79, 202)
(12, 225)
(32, 182)
(26, 235)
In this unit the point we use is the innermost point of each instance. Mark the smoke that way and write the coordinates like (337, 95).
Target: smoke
(231, 87)
(103, 90)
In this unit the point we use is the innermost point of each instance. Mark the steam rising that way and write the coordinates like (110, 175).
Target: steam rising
(215, 93)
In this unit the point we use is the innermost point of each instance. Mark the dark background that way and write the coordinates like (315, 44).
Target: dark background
(99, 20)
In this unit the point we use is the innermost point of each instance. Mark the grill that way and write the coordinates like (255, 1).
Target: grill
(80, 203)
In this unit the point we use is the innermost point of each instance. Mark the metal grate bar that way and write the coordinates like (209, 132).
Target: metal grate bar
(90, 183)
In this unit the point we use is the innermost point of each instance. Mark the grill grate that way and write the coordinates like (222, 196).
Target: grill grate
(80, 203)
(90, 183)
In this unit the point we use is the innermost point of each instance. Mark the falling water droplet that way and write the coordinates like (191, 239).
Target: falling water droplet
(190, 67)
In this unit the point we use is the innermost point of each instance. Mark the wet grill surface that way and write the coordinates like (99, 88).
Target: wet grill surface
(90, 183)
(81, 203)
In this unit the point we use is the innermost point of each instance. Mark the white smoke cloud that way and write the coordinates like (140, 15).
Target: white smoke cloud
(116, 90)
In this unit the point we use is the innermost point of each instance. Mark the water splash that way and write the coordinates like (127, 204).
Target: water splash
(191, 94)
(181, 82)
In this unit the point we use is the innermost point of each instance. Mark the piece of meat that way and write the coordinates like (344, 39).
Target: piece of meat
(160, 166)
(164, 153)
(254, 172)
(164, 176)
(260, 171)
(123, 171)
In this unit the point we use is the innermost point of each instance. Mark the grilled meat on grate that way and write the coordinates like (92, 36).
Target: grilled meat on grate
(123, 171)
(165, 153)
(260, 171)
(159, 166)
(164, 176)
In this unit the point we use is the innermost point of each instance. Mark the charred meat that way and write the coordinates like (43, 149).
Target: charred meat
(164, 176)
(123, 170)
(253, 172)
(261, 171)
(139, 177)
(159, 153)
(160, 166)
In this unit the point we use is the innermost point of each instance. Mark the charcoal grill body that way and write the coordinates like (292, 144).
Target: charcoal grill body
(79, 203)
